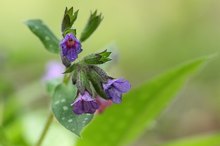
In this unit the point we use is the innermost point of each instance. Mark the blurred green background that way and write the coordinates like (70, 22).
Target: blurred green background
(152, 36)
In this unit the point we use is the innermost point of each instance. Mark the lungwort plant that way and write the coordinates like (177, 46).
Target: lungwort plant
(86, 89)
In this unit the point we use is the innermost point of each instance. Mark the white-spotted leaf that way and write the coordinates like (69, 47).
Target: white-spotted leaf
(61, 105)
(49, 40)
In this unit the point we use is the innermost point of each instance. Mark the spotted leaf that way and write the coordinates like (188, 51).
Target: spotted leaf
(49, 40)
(61, 105)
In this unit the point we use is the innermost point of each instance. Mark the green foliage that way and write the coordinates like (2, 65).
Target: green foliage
(98, 58)
(11, 130)
(51, 85)
(73, 31)
(206, 140)
(122, 124)
(61, 105)
(68, 20)
(92, 24)
(71, 68)
(96, 81)
(49, 40)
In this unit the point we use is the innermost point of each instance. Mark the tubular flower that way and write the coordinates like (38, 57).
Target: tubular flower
(103, 104)
(114, 89)
(85, 104)
(70, 47)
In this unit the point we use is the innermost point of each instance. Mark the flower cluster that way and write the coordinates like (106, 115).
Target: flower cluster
(95, 89)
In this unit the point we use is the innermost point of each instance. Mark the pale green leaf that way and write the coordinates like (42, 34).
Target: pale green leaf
(63, 97)
(205, 140)
(122, 124)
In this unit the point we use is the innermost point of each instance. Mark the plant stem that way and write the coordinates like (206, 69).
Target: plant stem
(46, 128)
(66, 79)
(1, 111)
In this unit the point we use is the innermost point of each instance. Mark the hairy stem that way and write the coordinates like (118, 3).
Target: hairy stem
(1, 111)
(46, 128)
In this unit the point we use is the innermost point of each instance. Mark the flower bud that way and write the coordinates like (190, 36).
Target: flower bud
(70, 48)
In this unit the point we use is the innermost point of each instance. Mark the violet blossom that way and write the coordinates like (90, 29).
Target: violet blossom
(70, 47)
(84, 103)
(114, 89)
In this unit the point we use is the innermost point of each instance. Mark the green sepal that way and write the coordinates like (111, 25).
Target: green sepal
(98, 58)
(68, 19)
(73, 31)
(82, 82)
(65, 61)
(103, 75)
(96, 81)
(70, 68)
(74, 75)
(92, 24)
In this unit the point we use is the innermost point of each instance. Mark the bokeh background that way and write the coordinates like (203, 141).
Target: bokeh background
(151, 36)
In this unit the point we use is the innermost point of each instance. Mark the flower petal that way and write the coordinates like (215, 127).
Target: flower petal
(85, 104)
(71, 55)
(122, 85)
(114, 94)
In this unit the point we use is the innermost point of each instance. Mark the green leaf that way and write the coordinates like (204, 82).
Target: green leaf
(98, 58)
(49, 40)
(205, 140)
(52, 84)
(63, 97)
(68, 20)
(91, 26)
(122, 124)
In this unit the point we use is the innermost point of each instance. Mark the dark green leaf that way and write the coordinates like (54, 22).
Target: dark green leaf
(98, 58)
(63, 97)
(68, 20)
(105, 53)
(122, 124)
(91, 26)
(49, 40)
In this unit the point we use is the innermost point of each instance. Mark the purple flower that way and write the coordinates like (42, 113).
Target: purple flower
(114, 89)
(71, 47)
(85, 104)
